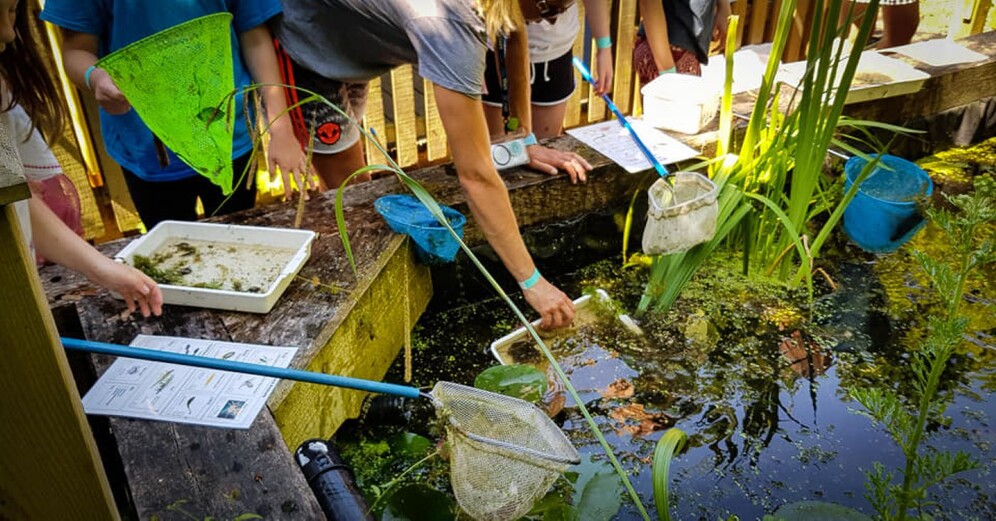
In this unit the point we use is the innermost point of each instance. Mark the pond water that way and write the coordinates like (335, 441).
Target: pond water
(761, 392)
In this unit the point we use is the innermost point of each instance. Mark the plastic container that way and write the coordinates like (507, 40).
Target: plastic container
(886, 211)
(234, 247)
(680, 216)
(406, 214)
(680, 102)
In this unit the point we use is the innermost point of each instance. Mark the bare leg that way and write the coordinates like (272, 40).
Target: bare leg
(857, 14)
(548, 120)
(335, 168)
(900, 23)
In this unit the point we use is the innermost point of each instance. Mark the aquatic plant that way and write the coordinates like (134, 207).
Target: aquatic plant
(897, 495)
(773, 187)
(670, 443)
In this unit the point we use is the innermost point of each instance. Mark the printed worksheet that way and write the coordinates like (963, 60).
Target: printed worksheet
(615, 142)
(183, 394)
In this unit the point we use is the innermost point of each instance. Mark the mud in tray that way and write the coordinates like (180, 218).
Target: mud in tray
(220, 266)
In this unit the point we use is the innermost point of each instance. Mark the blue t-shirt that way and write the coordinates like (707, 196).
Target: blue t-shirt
(118, 23)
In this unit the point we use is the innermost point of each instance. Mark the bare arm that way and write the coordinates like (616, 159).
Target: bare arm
(597, 14)
(463, 120)
(285, 154)
(79, 52)
(655, 26)
(57, 243)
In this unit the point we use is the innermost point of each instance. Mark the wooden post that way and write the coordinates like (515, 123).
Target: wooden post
(49, 466)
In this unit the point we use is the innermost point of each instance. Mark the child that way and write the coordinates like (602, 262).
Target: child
(51, 237)
(551, 43)
(675, 36)
(170, 189)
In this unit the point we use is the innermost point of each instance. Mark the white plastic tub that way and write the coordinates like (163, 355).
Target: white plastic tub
(680, 102)
(875, 77)
(500, 348)
(260, 262)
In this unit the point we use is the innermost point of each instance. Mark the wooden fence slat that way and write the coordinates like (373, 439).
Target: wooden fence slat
(435, 135)
(403, 101)
(373, 120)
(799, 35)
(572, 115)
(739, 8)
(758, 19)
(625, 33)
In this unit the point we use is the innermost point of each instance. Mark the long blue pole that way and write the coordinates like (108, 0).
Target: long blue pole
(586, 74)
(239, 367)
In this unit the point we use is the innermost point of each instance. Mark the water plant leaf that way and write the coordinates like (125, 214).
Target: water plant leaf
(409, 444)
(418, 503)
(597, 490)
(517, 380)
(818, 511)
(670, 443)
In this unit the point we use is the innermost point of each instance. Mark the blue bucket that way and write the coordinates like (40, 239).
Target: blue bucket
(406, 214)
(883, 214)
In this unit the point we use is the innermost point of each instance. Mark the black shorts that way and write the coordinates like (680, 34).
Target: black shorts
(333, 132)
(552, 82)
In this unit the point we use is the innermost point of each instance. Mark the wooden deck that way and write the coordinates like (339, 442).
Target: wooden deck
(354, 332)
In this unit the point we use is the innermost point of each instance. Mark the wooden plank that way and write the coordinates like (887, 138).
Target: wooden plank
(758, 21)
(373, 120)
(221, 473)
(795, 48)
(980, 12)
(572, 114)
(403, 102)
(49, 465)
(740, 9)
(625, 33)
(771, 24)
(435, 134)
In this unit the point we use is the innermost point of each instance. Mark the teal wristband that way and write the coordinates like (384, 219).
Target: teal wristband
(531, 281)
(672, 70)
(604, 42)
(86, 76)
(530, 139)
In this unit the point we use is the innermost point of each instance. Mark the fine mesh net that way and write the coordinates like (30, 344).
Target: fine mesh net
(505, 452)
(175, 80)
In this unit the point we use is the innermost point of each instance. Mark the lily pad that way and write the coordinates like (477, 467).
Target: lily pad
(516, 380)
(818, 511)
(409, 444)
(418, 503)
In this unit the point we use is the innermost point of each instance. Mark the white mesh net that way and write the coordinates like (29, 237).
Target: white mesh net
(505, 452)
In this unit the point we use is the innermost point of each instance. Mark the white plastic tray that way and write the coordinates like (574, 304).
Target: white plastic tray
(904, 78)
(498, 346)
(229, 238)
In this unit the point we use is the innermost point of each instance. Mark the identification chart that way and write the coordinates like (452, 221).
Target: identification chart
(613, 141)
(177, 393)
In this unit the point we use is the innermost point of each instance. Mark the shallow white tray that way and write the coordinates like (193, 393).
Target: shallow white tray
(579, 305)
(904, 78)
(221, 234)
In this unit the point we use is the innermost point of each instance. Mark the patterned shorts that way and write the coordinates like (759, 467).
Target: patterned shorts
(333, 132)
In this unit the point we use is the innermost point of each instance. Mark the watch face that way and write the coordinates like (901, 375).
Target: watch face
(500, 154)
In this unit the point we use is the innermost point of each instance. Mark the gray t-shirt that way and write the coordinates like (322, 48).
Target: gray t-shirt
(358, 40)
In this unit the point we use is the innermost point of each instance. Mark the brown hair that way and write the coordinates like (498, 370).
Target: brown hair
(26, 72)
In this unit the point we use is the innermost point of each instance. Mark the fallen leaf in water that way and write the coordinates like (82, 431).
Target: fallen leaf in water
(621, 388)
(637, 421)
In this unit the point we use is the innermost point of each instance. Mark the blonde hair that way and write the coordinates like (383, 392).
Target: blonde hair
(500, 16)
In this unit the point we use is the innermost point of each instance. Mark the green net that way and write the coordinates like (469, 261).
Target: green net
(176, 81)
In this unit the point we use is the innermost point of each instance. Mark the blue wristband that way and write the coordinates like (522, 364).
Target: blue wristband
(604, 42)
(530, 139)
(531, 281)
(672, 70)
(86, 76)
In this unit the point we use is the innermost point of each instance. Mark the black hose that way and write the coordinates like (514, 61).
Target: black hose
(332, 481)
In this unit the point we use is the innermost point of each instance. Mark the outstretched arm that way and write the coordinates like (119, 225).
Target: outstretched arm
(57, 243)
(463, 120)
(285, 153)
